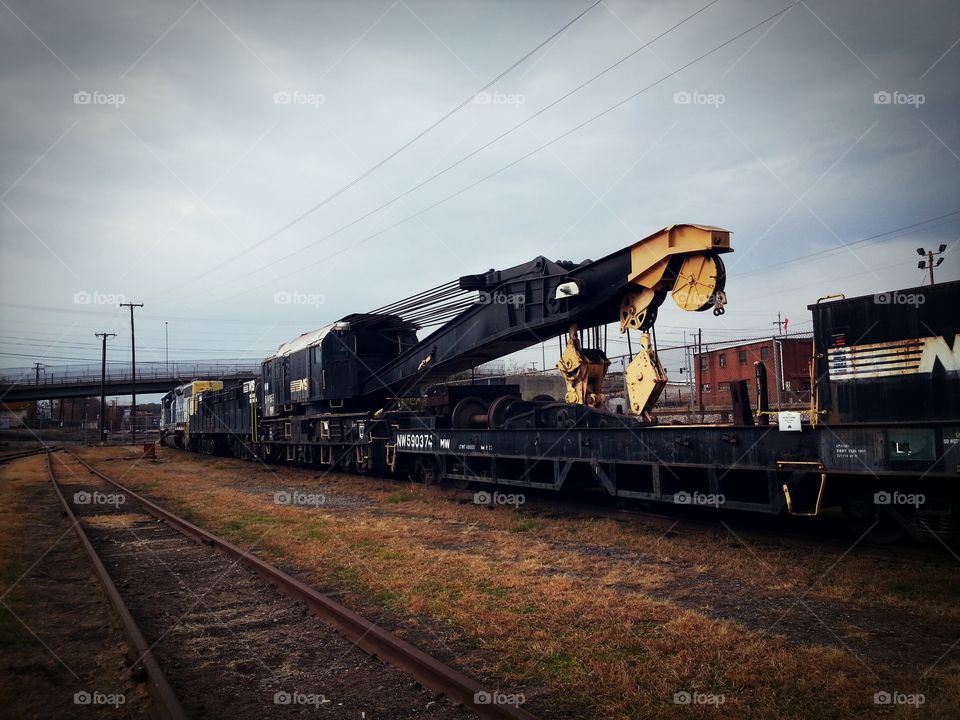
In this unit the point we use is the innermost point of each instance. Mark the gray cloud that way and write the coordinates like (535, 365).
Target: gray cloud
(199, 161)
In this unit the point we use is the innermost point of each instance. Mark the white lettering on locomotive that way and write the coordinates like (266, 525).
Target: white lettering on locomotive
(889, 359)
(936, 348)
(414, 441)
(301, 385)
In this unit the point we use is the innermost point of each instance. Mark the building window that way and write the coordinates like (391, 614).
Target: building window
(706, 387)
(722, 359)
(742, 357)
(764, 352)
(704, 362)
(724, 387)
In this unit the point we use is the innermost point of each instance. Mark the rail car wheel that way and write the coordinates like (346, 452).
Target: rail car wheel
(469, 412)
(876, 524)
(505, 407)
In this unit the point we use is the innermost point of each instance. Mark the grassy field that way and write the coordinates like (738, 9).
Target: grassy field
(593, 618)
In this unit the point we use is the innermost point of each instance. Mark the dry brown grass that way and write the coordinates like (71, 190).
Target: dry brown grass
(540, 604)
(112, 521)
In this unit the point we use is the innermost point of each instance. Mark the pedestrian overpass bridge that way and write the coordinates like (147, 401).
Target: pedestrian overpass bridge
(78, 381)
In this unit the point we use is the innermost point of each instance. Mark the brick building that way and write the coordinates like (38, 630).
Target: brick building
(16, 414)
(788, 371)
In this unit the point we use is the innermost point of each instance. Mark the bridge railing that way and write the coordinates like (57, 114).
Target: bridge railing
(75, 374)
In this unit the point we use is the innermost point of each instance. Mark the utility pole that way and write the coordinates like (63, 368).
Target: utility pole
(166, 344)
(103, 382)
(133, 372)
(928, 264)
(36, 403)
(779, 324)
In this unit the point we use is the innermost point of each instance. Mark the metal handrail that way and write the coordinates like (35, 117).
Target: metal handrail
(66, 375)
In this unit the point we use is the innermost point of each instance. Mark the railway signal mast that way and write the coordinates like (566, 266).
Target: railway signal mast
(928, 264)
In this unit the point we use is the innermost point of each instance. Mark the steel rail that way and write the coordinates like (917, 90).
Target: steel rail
(369, 637)
(26, 453)
(166, 706)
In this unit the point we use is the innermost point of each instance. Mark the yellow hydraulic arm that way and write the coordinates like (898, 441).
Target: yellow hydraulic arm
(683, 260)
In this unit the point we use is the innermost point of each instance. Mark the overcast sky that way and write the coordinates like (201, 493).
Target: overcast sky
(153, 150)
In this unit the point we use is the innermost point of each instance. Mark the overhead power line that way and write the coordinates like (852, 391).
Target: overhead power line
(509, 165)
(466, 101)
(469, 155)
(884, 235)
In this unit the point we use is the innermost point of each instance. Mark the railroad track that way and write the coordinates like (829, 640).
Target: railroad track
(143, 663)
(17, 454)
(374, 640)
